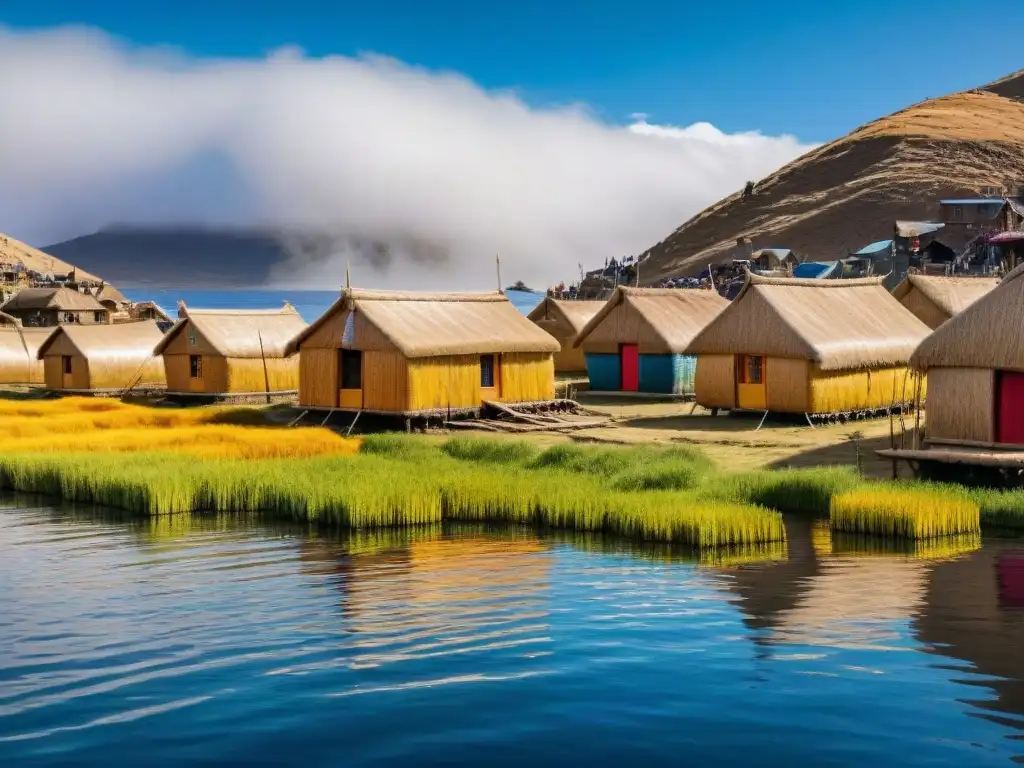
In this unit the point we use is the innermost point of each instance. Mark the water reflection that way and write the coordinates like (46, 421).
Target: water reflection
(426, 642)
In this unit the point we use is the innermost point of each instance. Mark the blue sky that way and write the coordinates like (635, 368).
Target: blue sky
(812, 69)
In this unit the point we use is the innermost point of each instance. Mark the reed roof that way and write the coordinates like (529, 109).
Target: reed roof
(574, 314)
(245, 333)
(674, 316)
(988, 334)
(123, 341)
(839, 324)
(19, 344)
(950, 294)
(440, 324)
(107, 292)
(61, 299)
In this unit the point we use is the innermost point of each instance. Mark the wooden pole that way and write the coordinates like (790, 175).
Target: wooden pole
(266, 376)
(497, 264)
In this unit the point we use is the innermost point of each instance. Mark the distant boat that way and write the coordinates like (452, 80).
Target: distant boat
(519, 285)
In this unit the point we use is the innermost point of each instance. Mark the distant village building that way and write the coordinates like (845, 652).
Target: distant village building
(774, 259)
(48, 307)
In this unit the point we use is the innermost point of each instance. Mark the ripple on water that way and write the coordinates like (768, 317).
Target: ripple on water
(226, 639)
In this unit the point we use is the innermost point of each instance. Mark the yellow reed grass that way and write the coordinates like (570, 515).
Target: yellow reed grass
(211, 441)
(911, 514)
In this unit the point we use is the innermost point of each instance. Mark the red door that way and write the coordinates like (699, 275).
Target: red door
(1010, 408)
(629, 355)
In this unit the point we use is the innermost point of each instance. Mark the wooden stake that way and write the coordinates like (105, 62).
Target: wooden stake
(266, 375)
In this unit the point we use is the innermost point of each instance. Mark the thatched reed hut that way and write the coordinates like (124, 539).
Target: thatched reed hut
(635, 343)
(18, 349)
(101, 358)
(808, 347)
(231, 351)
(935, 299)
(975, 368)
(47, 307)
(565, 319)
(416, 353)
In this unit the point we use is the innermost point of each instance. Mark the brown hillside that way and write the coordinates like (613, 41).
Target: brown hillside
(16, 252)
(848, 193)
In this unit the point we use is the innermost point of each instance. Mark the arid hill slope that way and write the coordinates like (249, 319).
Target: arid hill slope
(846, 194)
(16, 252)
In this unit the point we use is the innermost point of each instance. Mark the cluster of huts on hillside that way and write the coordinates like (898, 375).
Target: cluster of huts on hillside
(788, 345)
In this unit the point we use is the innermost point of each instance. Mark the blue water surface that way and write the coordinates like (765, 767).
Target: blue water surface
(219, 640)
(310, 304)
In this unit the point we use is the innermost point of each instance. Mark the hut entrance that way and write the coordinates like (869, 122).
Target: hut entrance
(65, 368)
(629, 362)
(1010, 408)
(490, 377)
(751, 387)
(350, 377)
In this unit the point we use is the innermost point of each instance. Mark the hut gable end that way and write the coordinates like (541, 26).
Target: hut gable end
(935, 299)
(988, 334)
(661, 320)
(233, 333)
(177, 341)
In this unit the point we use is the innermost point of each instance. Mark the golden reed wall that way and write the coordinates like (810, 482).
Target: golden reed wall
(961, 405)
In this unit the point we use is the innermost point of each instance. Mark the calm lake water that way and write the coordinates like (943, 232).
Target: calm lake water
(310, 304)
(222, 640)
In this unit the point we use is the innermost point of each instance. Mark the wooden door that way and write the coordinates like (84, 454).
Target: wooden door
(751, 382)
(350, 378)
(1010, 407)
(67, 378)
(629, 360)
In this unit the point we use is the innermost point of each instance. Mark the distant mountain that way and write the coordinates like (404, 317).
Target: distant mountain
(180, 257)
(848, 193)
(196, 257)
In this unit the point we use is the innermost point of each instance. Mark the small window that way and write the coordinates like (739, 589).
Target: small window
(754, 369)
(486, 371)
(65, 362)
(191, 337)
(958, 212)
(751, 370)
(69, 317)
(195, 366)
(99, 317)
(351, 369)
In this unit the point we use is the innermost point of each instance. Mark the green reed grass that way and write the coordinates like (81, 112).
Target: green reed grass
(903, 512)
(375, 491)
(797, 491)
(489, 449)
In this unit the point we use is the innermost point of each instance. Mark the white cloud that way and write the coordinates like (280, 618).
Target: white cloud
(94, 133)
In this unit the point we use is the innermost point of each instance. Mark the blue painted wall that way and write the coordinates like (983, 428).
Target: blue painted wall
(671, 374)
(604, 371)
(668, 374)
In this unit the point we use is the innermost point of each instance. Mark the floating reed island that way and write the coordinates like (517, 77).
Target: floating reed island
(166, 462)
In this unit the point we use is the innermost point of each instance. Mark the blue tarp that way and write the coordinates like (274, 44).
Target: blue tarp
(881, 245)
(670, 374)
(604, 372)
(661, 374)
(817, 270)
